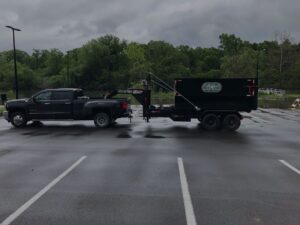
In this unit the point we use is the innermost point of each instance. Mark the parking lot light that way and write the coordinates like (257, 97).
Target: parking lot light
(15, 60)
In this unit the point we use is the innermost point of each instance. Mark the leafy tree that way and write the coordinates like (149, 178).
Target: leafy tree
(166, 61)
(240, 65)
(230, 44)
(138, 64)
(103, 64)
(109, 63)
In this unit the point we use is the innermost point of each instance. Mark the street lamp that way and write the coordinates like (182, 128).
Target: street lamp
(15, 60)
(68, 69)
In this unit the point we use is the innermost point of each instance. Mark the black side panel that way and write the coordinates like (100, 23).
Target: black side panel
(229, 94)
(62, 106)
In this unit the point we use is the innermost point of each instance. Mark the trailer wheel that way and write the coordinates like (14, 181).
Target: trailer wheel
(210, 121)
(18, 119)
(102, 120)
(231, 122)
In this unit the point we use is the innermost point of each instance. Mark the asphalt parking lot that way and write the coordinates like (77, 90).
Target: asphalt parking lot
(161, 173)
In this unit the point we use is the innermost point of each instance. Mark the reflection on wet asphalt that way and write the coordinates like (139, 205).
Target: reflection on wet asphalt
(131, 174)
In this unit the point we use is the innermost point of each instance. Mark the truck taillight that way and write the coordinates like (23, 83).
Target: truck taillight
(251, 87)
(124, 105)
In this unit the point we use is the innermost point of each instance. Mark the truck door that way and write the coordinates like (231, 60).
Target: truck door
(62, 106)
(40, 106)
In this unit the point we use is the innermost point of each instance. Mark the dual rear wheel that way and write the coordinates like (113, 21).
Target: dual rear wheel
(102, 120)
(212, 121)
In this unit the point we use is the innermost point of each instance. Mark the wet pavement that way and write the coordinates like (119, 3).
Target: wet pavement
(131, 173)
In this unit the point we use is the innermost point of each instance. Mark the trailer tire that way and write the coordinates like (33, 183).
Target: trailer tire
(231, 122)
(210, 122)
(102, 120)
(18, 119)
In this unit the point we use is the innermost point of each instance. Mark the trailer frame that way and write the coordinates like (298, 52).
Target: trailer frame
(210, 118)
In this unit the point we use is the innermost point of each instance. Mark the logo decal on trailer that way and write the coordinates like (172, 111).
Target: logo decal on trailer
(211, 87)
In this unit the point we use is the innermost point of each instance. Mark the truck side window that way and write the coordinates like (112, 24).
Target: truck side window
(62, 95)
(44, 96)
(79, 94)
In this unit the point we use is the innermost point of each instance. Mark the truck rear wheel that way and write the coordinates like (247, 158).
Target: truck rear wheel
(102, 120)
(18, 119)
(231, 122)
(210, 121)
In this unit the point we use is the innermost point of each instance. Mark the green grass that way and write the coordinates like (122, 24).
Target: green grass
(278, 97)
(1, 109)
(277, 101)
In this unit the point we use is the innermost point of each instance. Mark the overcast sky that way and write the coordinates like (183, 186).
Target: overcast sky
(67, 24)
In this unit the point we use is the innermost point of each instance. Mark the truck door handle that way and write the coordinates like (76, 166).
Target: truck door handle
(68, 103)
(47, 103)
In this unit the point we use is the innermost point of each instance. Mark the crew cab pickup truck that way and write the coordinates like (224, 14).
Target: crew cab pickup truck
(65, 104)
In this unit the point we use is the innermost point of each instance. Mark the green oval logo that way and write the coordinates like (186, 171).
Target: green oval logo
(211, 87)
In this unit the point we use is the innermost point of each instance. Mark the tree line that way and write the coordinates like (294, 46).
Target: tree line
(108, 63)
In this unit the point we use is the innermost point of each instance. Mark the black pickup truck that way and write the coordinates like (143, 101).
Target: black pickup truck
(65, 104)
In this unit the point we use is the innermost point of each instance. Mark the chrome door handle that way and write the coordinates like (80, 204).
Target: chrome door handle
(68, 103)
(47, 103)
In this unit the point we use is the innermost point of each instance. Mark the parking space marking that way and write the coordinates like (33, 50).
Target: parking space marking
(290, 166)
(188, 205)
(31, 201)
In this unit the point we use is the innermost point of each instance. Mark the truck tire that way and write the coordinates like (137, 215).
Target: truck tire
(231, 122)
(102, 120)
(18, 119)
(210, 122)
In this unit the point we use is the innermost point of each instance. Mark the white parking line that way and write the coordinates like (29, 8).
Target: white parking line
(27, 204)
(188, 205)
(290, 166)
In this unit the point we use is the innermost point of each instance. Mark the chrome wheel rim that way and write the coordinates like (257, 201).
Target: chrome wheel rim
(232, 122)
(211, 121)
(18, 120)
(101, 120)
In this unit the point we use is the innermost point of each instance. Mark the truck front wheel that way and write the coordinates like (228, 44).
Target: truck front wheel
(210, 121)
(102, 120)
(231, 122)
(18, 119)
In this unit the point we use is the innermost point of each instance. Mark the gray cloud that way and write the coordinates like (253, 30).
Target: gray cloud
(67, 24)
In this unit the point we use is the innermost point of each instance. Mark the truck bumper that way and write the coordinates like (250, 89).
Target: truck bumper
(6, 116)
(123, 115)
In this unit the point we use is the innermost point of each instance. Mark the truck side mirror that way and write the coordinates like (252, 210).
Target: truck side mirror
(33, 99)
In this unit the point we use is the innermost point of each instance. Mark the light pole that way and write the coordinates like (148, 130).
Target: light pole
(15, 60)
(68, 69)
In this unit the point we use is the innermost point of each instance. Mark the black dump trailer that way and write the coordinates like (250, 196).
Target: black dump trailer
(216, 103)
(215, 95)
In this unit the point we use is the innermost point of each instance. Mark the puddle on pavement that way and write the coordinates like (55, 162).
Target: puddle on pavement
(29, 133)
(153, 136)
(4, 152)
(123, 135)
(33, 133)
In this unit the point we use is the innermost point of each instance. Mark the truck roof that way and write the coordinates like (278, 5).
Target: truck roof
(220, 79)
(63, 89)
